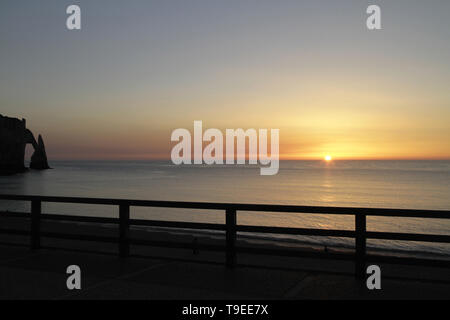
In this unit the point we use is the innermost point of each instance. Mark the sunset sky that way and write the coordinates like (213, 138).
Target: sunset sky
(139, 69)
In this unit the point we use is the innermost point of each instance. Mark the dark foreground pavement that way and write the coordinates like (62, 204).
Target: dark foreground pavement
(163, 273)
(41, 274)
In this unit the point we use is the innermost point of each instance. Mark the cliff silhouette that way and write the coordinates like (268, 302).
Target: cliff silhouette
(14, 136)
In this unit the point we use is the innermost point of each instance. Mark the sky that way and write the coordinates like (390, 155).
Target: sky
(137, 70)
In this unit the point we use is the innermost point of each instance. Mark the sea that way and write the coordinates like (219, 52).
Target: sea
(406, 184)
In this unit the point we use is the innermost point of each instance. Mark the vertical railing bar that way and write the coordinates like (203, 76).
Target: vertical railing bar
(124, 230)
(230, 219)
(35, 228)
(360, 245)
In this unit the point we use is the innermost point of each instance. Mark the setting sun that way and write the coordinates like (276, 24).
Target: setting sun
(328, 157)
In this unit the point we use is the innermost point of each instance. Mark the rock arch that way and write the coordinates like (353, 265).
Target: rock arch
(14, 136)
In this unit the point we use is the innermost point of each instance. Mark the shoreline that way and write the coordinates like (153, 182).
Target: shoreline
(298, 244)
(218, 237)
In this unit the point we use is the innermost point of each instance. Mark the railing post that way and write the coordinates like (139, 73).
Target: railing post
(231, 238)
(360, 245)
(124, 230)
(35, 228)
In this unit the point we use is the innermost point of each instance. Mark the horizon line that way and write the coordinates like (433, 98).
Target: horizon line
(283, 159)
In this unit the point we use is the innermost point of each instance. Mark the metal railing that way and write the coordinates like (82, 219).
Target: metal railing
(360, 234)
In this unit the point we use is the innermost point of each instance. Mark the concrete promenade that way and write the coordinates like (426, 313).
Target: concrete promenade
(41, 274)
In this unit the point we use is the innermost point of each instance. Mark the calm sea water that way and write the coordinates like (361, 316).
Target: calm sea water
(390, 184)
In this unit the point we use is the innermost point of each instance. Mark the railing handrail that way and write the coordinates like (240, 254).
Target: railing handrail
(390, 212)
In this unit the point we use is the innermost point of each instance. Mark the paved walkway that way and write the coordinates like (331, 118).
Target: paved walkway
(25, 274)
